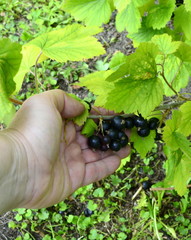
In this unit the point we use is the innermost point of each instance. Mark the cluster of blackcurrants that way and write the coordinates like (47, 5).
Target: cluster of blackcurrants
(111, 134)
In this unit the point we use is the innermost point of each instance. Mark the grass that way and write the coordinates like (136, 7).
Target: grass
(116, 215)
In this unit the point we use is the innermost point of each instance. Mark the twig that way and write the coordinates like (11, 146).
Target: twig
(35, 72)
(16, 101)
(163, 189)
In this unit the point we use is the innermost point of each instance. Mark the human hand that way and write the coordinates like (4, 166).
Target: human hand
(54, 159)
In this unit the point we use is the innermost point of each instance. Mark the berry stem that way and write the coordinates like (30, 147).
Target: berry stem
(163, 189)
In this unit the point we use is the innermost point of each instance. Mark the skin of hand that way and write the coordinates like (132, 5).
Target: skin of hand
(49, 157)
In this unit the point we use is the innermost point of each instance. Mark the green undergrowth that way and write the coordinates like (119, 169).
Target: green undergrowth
(119, 210)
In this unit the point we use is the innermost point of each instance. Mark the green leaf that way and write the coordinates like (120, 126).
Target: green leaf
(185, 126)
(92, 12)
(89, 127)
(184, 52)
(121, 4)
(160, 14)
(117, 60)
(171, 126)
(139, 89)
(187, 5)
(97, 84)
(143, 144)
(129, 19)
(135, 95)
(10, 59)
(144, 34)
(176, 73)
(30, 54)
(99, 192)
(178, 168)
(72, 43)
(165, 44)
(182, 21)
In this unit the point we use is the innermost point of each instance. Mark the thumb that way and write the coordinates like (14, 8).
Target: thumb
(65, 104)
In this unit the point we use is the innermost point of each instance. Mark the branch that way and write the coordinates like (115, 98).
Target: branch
(163, 189)
(16, 101)
(35, 72)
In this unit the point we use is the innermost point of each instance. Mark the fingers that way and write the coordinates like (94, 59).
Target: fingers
(96, 171)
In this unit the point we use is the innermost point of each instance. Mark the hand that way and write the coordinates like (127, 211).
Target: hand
(54, 159)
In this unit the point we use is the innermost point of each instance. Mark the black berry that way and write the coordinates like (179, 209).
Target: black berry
(143, 132)
(140, 121)
(106, 139)
(113, 133)
(115, 145)
(106, 125)
(129, 123)
(118, 122)
(88, 212)
(146, 185)
(94, 142)
(153, 123)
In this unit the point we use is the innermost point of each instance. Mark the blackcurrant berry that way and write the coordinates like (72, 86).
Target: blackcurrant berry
(146, 185)
(140, 121)
(124, 141)
(106, 125)
(106, 139)
(118, 122)
(88, 212)
(143, 132)
(153, 123)
(129, 123)
(112, 133)
(104, 147)
(115, 145)
(94, 142)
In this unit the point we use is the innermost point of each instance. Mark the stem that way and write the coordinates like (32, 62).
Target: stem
(163, 189)
(162, 107)
(16, 101)
(35, 72)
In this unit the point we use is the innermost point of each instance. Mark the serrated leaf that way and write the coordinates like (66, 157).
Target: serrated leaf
(171, 126)
(143, 144)
(185, 126)
(176, 73)
(178, 170)
(129, 19)
(182, 21)
(81, 119)
(144, 34)
(93, 13)
(30, 54)
(165, 44)
(121, 4)
(72, 43)
(97, 84)
(184, 52)
(89, 127)
(117, 60)
(160, 14)
(187, 5)
(10, 58)
(135, 95)
(140, 90)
